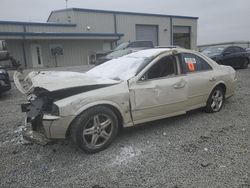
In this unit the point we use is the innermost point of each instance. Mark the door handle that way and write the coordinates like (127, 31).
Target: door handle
(212, 79)
(179, 85)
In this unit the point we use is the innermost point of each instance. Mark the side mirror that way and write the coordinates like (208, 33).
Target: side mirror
(143, 78)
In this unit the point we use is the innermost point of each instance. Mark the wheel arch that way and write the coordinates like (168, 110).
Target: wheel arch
(219, 84)
(113, 106)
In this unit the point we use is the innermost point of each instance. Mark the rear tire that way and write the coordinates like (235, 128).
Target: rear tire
(216, 100)
(95, 129)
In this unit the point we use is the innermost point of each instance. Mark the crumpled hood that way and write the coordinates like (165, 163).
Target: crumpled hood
(57, 80)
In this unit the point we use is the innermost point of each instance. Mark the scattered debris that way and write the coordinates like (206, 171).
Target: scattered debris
(35, 137)
(14, 152)
(97, 186)
(191, 148)
(243, 146)
(205, 137)
(164, 133)
(205, 164)
(222, 166)
(205, 149)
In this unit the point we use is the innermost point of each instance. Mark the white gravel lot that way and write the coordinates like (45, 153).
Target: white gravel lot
(192, 150)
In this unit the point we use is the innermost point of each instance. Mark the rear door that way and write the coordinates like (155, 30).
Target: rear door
(200, 78)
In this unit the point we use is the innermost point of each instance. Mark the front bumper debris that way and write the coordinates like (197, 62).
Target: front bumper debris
(34, 136)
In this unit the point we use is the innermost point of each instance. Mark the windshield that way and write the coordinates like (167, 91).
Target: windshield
(125, 67)
(211, 51)
(121, 46)
(119, 69)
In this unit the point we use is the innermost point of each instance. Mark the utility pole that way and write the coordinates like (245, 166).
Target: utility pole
(66, 4)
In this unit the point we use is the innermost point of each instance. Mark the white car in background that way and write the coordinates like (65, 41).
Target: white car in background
(152, 84)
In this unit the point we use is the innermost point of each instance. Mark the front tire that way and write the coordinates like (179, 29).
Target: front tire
(95, 129)
(216, 100)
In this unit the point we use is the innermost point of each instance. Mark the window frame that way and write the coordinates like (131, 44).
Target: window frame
(184, 70)
(156, 60)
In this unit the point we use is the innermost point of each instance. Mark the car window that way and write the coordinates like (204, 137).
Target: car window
(230, 50)
(165, 67)
(238, 49)
(194, 63)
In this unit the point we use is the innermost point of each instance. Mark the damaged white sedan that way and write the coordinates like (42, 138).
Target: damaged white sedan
(90, 108)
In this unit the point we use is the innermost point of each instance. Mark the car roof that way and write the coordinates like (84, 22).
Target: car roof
(156, 51)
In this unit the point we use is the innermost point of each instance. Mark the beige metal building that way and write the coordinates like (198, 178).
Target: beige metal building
(70, 36)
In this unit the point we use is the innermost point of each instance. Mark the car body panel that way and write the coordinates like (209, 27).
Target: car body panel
(136, 100)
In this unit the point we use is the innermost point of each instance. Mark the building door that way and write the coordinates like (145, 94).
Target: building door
(181, 36)
(147, 32)
(36, 55)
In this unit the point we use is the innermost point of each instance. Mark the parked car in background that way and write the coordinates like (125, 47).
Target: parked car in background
(234, 56)
(124, 49)
(90, 108)
(4, 80)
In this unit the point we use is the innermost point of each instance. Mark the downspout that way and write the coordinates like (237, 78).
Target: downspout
(23, 47)
(115, 27)
(171, 30)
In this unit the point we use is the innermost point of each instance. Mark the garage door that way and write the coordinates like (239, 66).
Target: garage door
(147, 32)
(181, 36)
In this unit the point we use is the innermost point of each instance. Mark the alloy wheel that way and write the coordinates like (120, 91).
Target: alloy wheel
(98, 131)
(217, 100)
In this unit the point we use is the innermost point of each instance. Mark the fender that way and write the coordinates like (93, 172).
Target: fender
(217, 83)
(125, 113)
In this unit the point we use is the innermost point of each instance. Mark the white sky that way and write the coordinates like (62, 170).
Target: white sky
(219, 20)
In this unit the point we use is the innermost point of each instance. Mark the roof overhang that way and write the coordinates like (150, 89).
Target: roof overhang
(49, 36)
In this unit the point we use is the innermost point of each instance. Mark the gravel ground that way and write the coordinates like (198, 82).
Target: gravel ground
(193, 150)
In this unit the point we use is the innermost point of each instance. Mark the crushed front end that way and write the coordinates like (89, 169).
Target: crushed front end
(39, 110)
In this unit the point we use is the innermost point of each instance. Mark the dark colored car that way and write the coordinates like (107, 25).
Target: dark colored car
(4, 80)
(234, 56)
(124, 49)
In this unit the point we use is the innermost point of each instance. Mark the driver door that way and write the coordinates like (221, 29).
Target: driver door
(160, 92)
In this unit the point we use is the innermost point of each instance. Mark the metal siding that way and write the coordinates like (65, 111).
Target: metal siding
(49, 29)
(15, 49)
(99, 22)
(61, 17)
(11, 28)
(191, 23)
(75, 52)
(181, 29)
(127, 23)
